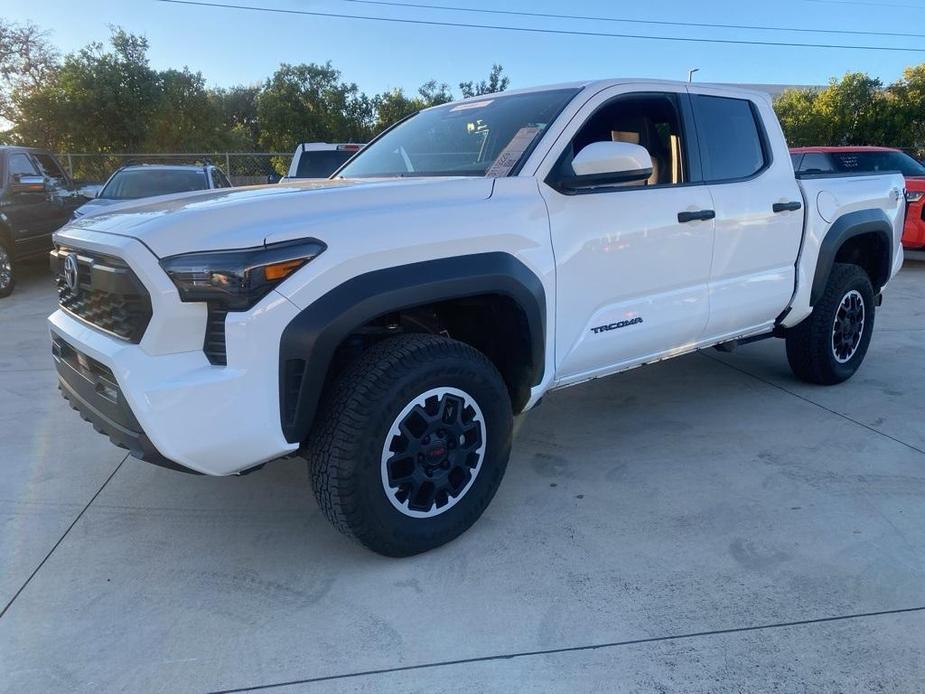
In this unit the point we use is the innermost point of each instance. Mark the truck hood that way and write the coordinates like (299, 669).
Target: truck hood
(245, 217)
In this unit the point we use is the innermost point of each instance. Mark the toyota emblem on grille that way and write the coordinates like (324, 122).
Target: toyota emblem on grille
(70, 272)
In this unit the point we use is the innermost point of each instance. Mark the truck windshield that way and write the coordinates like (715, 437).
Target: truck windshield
(877, 161)
(143, 183)
(487, 135)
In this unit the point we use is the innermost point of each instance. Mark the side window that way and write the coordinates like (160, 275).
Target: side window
(21, 165)
(49, 166)
(731, 144)
(650, 120)
(816, 162)
(219, 180)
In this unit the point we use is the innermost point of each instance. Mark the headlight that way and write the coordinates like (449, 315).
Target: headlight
(914, 196)
(238, 279)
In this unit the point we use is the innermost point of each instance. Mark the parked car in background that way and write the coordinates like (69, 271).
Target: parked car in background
(826, 160)
(319, 159)
(135, 181)
(36, 198)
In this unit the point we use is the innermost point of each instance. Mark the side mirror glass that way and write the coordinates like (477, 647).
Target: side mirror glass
(609, 163)
(28, 184)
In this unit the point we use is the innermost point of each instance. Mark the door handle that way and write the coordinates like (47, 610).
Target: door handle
(786, 206)
(698, 216)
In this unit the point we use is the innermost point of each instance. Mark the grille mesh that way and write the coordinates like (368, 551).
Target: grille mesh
(108, 294)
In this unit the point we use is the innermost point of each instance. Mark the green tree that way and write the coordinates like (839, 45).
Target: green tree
(185, 118)
(802, 123)
(851, 108)
(907, 115)
(433, 93)
(304, 103)
(27, 59)
(97, 101)
(237, 108)
(497, 82)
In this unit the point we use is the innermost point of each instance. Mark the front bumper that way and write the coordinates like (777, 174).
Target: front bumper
(92, 390)
(161, 398)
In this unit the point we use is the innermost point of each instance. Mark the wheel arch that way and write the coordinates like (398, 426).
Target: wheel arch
(309, 343)
(863, 237)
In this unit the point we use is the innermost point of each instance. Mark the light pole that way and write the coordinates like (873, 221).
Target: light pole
(690, 73)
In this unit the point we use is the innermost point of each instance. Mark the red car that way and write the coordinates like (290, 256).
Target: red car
(810, 160)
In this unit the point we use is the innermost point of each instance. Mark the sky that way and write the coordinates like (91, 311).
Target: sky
(232, 46)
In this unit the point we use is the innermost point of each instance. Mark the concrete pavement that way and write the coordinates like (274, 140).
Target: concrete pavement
(706, 525)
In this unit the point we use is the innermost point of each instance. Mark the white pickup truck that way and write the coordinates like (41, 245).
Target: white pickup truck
(388, 324)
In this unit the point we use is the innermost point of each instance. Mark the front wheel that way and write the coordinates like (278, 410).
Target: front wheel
(411, 444)
(829, 346)
(7, 270)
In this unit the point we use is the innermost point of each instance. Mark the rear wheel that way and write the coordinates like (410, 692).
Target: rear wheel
(829, 346)
(411, 444)
(7, 270)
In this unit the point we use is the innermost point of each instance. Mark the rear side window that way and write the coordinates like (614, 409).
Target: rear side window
(219, 180)
(731, 144)
(49, 166)
(816, 162)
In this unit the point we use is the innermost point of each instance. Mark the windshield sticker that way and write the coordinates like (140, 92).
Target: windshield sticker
(471, 104)
(511, 154)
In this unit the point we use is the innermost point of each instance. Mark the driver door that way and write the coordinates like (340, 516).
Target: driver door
(633, 259)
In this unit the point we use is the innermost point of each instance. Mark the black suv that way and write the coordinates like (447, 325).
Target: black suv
(36, 198)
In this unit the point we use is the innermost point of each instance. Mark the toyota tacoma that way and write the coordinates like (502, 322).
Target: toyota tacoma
(388, 323)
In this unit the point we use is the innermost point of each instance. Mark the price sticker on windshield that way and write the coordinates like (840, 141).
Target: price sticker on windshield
(511, 154)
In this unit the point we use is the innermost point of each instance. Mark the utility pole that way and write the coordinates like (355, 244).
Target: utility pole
(690, 73)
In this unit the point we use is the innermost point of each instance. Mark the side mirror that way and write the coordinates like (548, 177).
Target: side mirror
(609, 163)
(28, 184)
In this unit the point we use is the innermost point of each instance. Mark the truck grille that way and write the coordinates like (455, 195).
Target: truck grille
(104, 293)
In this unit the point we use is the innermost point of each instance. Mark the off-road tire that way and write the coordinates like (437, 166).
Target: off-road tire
(810, 348)
(345, 450)
(6, 288)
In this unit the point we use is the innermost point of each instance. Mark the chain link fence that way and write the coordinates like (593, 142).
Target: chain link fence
(242, 168)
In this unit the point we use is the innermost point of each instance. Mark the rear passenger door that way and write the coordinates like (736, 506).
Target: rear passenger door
(758, 204)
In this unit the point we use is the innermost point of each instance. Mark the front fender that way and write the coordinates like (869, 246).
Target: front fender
(309, 342)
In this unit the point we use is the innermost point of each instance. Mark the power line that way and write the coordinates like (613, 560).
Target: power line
(623, 20)
(533, 30)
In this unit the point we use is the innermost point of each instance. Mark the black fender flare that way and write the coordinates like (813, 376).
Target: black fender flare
(846, 227)
(308, 343)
